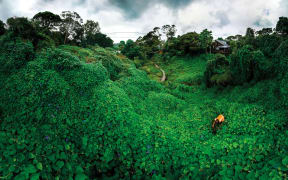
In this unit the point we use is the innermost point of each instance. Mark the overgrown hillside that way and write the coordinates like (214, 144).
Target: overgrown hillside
(74, 113)
(72, 109)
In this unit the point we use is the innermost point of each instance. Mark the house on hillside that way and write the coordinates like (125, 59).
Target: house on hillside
(220, 46)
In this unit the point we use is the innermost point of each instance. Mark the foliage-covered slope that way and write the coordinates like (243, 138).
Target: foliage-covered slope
(74, 113)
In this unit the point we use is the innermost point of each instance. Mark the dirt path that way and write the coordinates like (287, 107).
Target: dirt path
(163, 73)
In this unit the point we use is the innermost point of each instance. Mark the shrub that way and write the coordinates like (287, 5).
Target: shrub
(217, 71)
(84, 79)
(15, 54)
(268, 44)
(280, 59)
(58, 60)
(132, 50)
(110, 61)
(45, 42)
(284, 90)
(247, 65)
(263, 67)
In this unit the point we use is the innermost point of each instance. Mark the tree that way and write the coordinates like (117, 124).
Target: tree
(247, 65)
(71, 26)
(121, 45)
(22, 27)
(264, 31)
(250, 32)
(92, 34)
(217, 71)
(190, 43)
(206, 39)
(231, 38)
(268, 43)
(47, 20)
(250, 36)
(151, 42)
(102, 40)
(169, 31)
(282, 26)
(131, 49)
(91, 27)
(2, 28)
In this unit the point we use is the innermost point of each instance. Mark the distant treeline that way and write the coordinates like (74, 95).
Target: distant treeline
(46, 29)
(255, 56)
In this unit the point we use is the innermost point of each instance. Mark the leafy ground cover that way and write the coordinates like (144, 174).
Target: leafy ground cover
(75, 113)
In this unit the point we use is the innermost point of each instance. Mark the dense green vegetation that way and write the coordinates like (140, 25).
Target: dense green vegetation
(88, 112)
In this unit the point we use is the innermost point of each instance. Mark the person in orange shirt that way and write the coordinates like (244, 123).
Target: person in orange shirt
(217, 121)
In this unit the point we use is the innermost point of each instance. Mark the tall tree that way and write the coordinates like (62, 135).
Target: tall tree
(71, 26)
(250, 33)
(131, 49)
(91, 27)
(151, 42)
(250, 36)
(190, 43)
(2, 28)
(101, 39)
(47, 20)
(264, 31)
(21, 27)
(92, 33)
(169, 31)
(206, 39)
(282, 26)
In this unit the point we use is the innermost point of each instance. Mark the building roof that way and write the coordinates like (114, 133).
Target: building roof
(223, 43)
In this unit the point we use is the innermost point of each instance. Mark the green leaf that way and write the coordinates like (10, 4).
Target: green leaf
(59, 164)
(81, 177)
(20, 177)
(79, 170)
(35, 176)
(30, 169)
(31, 156)
(63, 155)
(67, 147)
(39, 166)
(84, 141)
(259, 157)
(11, 168)
(285, 161)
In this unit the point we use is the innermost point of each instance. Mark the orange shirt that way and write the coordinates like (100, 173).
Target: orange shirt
(220, 118)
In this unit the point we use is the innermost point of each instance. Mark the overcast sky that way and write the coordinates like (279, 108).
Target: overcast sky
(117, 17)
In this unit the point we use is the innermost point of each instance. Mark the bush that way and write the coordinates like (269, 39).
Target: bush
(217, 71)
(263, 67)
(111, 62)
(284, 90)
(132, 50)
(45, 42)
(84, 79)
(247, 65)
(15, 54)
(58, 60)
(268, 44)
(280, 59)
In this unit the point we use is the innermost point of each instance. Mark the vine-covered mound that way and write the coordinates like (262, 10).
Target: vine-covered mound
(73, 113)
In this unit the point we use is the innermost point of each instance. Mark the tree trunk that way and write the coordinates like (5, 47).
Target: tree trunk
(65, 38)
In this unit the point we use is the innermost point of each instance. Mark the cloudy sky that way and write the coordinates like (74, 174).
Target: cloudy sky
(124, 19)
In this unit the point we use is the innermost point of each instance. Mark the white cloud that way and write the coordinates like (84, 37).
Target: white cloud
(223, 17)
